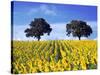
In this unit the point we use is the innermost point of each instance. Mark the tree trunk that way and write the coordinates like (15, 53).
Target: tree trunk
(79, 38)
(38, 39)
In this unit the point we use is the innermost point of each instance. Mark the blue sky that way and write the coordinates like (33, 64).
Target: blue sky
(57, 15)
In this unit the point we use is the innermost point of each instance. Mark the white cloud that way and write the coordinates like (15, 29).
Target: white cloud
(47, 10)
(43, 9)
(18, 32)
(94, 26)
(95, 39)
(58, 32)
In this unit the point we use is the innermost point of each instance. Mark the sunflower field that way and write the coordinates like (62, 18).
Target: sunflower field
(53, 56)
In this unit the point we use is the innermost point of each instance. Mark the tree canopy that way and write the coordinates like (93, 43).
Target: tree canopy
(78, 29)
(38, 28)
